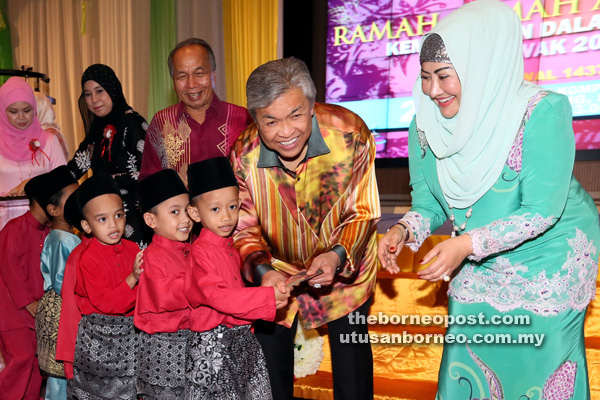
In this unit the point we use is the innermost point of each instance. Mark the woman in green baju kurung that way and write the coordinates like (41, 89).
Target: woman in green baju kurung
(495, 155)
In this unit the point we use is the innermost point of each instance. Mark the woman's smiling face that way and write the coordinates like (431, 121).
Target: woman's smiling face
(440, 82)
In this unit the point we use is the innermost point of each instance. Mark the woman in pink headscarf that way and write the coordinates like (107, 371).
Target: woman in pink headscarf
(26, 150)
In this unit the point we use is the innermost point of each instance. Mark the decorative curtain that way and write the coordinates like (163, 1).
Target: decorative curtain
(251, 35)
(6, 56)
(202, 19)
(63, 37)
(163, 28)
(47, 35)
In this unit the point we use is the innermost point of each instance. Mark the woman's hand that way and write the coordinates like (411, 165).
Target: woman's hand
(448, 255)
(18, 190)
(390, 246)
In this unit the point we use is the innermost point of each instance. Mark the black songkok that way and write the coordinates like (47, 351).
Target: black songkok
(208, 175)
(72, 214)
(32, 188)
(97, 185)
(159, 187)
(53, 182)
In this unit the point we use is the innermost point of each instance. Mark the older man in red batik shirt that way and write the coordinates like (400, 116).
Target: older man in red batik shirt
(200, 126)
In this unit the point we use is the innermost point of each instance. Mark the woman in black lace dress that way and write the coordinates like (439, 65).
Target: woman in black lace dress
(114, 142)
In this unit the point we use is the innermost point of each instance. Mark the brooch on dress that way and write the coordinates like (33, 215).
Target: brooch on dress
(34, 146)
(107, 138)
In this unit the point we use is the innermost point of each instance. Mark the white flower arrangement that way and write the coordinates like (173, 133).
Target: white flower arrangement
(308, 352)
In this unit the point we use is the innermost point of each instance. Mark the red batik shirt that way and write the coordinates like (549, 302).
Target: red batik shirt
(175, 140)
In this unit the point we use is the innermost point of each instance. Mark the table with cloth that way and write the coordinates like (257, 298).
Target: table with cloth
(410, 372)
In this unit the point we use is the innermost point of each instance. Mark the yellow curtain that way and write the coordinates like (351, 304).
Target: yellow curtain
(250, 30)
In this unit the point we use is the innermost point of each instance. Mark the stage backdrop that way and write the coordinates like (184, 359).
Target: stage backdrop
(373, 59)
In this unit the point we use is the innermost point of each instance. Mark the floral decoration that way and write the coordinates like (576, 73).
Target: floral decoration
(308, 352)
(107, 138)
(34, 146)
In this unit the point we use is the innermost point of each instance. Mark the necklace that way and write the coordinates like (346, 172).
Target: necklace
(457, 229)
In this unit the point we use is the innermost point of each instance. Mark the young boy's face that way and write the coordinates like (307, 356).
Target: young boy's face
(218, 210)
(104, 218)
(170, 218)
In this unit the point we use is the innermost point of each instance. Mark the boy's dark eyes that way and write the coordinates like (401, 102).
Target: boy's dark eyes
(233, 207)
(214, 209)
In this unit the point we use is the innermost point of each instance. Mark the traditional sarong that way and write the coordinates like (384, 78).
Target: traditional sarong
(161, 365)
(105, 359)
(226, 364)
(46, 330)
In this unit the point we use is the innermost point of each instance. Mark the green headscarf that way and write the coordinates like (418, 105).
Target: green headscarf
(484, 41)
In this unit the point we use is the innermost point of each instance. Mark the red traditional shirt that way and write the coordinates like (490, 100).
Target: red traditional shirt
(69, 313)
(214, 287)
(21, 281)
(161, 303)
(175, 140)
(101, 287)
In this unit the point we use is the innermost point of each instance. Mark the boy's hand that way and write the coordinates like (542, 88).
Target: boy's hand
(137, 265)
(134, 277)
(2, 362)
(281, 299)
(32, 308)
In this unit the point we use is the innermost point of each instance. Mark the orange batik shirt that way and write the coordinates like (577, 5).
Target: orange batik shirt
(330, 198)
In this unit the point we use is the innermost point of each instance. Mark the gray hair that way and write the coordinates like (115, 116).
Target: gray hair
(192, 42)
(271, 80)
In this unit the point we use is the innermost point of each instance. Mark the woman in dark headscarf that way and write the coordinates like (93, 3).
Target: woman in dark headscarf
(114, 142)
